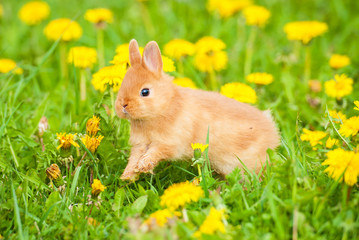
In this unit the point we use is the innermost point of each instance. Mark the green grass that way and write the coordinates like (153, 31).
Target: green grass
(293, 199)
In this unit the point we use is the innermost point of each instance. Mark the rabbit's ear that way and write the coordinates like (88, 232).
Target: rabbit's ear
(135, 55)
(152, 59)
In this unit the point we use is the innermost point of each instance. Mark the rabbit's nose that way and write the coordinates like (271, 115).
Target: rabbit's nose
(124, 108)
(125, 105)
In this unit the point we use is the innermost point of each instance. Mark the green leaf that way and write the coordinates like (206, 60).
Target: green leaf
(139, 204)
(119, 198)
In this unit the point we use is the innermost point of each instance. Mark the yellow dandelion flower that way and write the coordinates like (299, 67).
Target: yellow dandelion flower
(168, 64)
(337, 61)
(331, 142)
(211, 61)
(356, 103)
(240, 92)
(92, 125)
(63, 28)
(313, 137)
(209, 44)
(110, 76)
(256, 15)
(350, 127)
(340, 161)
(179, 194)
(34, 12)
(92, 143)
(339, 87)
(227, 8)
(7, 65)
(212, 224)
(82, 57)
(260, 78)
(338, 116)
(305, 31)
(97, 187)
(161, 217)
(315, 86)
(66, 140)
(92, 221)
(178, 48)
(99, 15)
(185, 82)
(199, 146)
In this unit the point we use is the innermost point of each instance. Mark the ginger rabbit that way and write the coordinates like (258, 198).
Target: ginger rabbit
(166, 119)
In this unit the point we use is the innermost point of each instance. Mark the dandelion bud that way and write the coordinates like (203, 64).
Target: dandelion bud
(197, 153)
(54, 174)
(43, 126)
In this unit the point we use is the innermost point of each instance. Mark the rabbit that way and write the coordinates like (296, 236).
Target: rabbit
(165, 119)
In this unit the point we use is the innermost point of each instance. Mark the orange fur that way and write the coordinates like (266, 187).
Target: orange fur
(165, 123)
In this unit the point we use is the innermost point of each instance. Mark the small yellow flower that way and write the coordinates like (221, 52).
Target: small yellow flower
(185, 82)
(92, 125)
(338, 116)
(161, 217)
(240, 92)
(178, 48)
(97, 187)
(212, 224)
(179, 194)
(209, 44)
(227, 8)
(63, 28)
(110, 76)
(92, 143)
(92, 221)
(356, 103)
(305, 31)
(313, 137)
(340, 161)
(168, 64)
(350, 127)
(99, 15)
(256, 15)
(260, 78)
(331, 142)
(315, 86)
(82, 57)
(211, 61)
(337, 61)
(7, 65)
(66, 140)
(339, 87)
(200, 146)
(34, 12)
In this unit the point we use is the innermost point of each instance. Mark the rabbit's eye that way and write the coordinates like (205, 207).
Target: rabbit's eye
(145, 92)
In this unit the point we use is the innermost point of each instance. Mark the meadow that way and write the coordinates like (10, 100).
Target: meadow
(63, 149)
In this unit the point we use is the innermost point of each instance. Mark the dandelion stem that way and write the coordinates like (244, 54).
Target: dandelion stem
(307, 65)
(180, 66)
(63, 64)
(83, 84)
(213, 81)
(79, 164)
(100, 48)
(12, 152)
(199, 172)
(249, 51)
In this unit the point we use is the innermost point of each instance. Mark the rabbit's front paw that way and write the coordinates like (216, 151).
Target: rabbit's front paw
(129, 176)
(145, 164)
